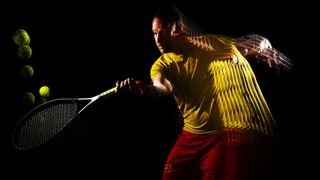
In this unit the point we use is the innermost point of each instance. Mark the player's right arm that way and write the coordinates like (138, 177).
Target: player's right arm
(160, 87)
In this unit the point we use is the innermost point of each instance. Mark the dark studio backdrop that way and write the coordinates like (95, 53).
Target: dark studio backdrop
(82, 48)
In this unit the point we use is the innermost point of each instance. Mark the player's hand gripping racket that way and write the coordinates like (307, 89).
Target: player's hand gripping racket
(46, 120)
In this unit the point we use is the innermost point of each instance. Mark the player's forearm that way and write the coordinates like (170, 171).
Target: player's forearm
(253, 44)
(154, 91)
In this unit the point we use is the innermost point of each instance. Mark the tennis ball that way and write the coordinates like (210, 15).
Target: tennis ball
(28, 99)
(21, 37)
(44, 91)
(41, 100)
(24, 52)
(26, 71)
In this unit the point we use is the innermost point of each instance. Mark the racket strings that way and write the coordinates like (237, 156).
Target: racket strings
(43, 125)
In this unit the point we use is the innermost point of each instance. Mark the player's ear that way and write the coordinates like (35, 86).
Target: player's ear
(175, 29)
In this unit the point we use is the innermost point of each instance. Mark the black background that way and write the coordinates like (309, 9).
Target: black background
(82, 48)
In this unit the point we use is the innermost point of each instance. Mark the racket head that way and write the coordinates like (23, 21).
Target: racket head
(43, 123)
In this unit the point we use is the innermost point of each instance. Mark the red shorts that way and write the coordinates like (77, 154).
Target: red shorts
(229, 155)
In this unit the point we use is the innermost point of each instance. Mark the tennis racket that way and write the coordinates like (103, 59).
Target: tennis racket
(45, 121)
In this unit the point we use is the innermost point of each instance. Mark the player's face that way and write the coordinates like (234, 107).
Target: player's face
(161, 34)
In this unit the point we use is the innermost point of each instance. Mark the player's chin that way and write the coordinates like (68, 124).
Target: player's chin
(162, 49)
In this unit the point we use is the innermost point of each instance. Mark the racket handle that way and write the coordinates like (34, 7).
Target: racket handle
(109, 92)
(114, 89)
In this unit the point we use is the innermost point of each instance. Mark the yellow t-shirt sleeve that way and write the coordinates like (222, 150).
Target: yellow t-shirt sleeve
(165, 65)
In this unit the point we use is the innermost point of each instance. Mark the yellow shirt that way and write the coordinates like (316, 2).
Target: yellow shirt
(214, 92)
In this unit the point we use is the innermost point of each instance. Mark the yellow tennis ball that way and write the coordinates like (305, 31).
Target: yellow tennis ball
(28, 99)
(26, 71)
(21, 37)
(24, 52)
(44, 91)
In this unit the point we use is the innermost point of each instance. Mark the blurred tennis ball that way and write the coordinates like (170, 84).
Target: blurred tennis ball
(28, 99)
(21, 37)
(24, 52)
(41, 100)
(26, 71)
(44, 91)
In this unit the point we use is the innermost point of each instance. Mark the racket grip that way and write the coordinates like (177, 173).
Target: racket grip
(109, 92)
(114, 89)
